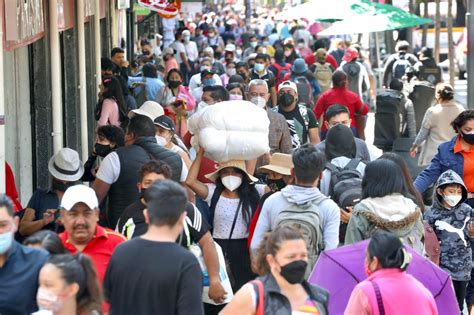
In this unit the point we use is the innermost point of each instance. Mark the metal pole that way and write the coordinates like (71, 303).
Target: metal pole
(97, 46)
(2, 118)
(470, 57)
(56, 105)
(82, 77)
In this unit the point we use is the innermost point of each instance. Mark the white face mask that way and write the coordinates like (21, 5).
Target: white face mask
(231, 72)
(6, 241)
(48, 301)
(259, 101)
(231, 182)
(452, 200)
(161, 141)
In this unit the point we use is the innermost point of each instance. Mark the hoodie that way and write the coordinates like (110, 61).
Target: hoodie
(450, 226)
(394, 213)
(301, 196)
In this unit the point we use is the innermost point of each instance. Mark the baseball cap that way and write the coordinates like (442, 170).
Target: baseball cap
(351, 54)
(288, 84)
(79, 193)
(164, 122)
(230, 47)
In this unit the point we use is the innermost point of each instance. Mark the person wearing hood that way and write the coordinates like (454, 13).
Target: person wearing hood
(308, 164)
(340, 150)
(385, 205)
(450, 219)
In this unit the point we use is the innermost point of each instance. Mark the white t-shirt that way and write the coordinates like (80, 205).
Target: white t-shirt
(341, 161)
(191, 51)
(179, 48)
(225, 212)
(109, 169)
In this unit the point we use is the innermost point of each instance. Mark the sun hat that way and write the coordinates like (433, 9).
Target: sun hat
(79, 193)
(239, 164)
(66, 165)
(150, 109)
(299, 66)
(279, 163)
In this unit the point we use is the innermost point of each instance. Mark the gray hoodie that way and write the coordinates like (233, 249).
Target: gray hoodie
(450, 226)
(292, 194)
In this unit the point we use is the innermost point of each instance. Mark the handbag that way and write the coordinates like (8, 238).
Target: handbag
(432, 247)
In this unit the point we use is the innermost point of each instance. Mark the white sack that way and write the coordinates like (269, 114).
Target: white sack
(232, 130)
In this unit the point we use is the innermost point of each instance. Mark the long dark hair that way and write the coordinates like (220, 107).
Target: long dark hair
(382, 178)
(80, 269)
(48, 240)
(415, 194)
(113, 90)
(247, 193)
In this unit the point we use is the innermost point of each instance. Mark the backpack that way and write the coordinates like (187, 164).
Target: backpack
(305, 91)
(345, 187)
(399, 66)
(389, 120)
(307, 219)
(422, 96)
(283, 73)
(352, 69)
(323, 73)
(429, 71)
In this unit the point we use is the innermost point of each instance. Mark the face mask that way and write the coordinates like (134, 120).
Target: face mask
(211, 35)
(48, 301)
(276, 184)
(294, 271)
(300, 46)
(6, 240)
(174, 84)
(259, 101)
(102, 149)
(259, 67)
(286, 100)
(253, 44)
(468, 137)
(235, 97)
(266, 43)
(205, 68)
(231, 72)
(452, 200)
(209, 82)
(287, 53)
(161, 141)
(186, 39)
(146, 52)
(243, 75)
(61, 186)
(231, 182)
(142, 193)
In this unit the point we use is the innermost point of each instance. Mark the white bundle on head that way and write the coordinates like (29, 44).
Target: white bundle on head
(231, 130)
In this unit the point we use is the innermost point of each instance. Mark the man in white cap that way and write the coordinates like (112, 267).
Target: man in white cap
(41, 212)
(302, 122)
(157, 49)
(79, 214)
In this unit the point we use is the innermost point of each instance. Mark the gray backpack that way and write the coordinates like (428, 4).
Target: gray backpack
(307, 219)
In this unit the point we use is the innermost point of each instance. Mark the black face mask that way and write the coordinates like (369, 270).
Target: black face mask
(243, 75)
(276, 184)
(142, 193)
(62, 186)
(102, 149)
(294, 271)
(286, 99)
(468, 137)
(174, 84)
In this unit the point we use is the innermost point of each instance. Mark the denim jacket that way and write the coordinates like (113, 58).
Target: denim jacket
(444, 160)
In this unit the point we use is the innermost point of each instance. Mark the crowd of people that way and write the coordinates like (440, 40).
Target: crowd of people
(114, 234)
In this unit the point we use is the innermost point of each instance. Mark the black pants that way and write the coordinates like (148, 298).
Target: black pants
(460, 290)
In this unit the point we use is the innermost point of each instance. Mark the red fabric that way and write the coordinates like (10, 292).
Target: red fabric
(252, 225)
(340, 96)
(11, 187)
(311, 59)
(207, 166)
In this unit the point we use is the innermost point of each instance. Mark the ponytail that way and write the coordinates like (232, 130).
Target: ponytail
(89, 297)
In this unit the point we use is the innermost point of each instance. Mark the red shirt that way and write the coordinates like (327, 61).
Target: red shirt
(11, 187)
(99, 248)
(468, 155)
(340, 96)
(207, 166)
(311, 59)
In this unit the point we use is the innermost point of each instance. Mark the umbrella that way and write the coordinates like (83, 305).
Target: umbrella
(374, 17)
(320, 10)
(340, 270)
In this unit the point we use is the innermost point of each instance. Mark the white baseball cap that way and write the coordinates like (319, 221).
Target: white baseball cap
(288, 84)
(79, 193)
(150, 109)
(230, 47)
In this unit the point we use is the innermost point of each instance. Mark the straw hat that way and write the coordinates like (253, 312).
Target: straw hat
(279, 163)
(239, 164)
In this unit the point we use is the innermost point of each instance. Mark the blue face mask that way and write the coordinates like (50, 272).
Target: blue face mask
(6, 240)
(259, 67)
(209, 82)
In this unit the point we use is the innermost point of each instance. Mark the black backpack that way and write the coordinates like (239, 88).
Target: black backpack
(399, 66)
(389, 118)
(305, 91)
(423, 97)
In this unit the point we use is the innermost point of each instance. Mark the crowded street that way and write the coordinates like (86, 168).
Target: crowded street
(236, 157)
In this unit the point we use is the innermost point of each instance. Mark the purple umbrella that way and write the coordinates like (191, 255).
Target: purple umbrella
(340, 270)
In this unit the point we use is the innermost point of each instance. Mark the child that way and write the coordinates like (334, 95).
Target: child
(449, 217)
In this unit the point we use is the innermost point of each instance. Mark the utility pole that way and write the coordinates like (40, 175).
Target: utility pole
(470, 56)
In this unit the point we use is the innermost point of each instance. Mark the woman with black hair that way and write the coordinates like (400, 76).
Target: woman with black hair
(233, 198)
(47, 240)
(385, 205)
(69, 285)
(435, 128)
(111, 109)
(236, 91)
(389, 289)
